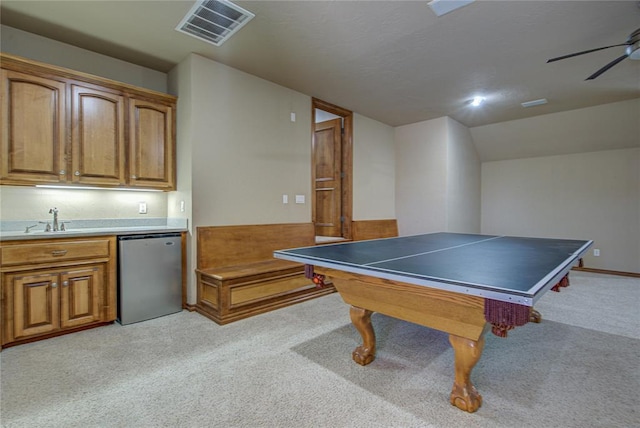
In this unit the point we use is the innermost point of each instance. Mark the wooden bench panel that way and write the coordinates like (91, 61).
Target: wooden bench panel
(247, 294)
(374, 229)
(238, 276)
(234, 245)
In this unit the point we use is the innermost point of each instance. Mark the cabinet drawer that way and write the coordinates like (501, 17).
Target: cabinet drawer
(54, 251)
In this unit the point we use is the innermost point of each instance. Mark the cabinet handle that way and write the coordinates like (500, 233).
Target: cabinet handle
(65, 283)
(58, 253)
(134, 177)
(77, 173)
(62, 172)
(54, 284)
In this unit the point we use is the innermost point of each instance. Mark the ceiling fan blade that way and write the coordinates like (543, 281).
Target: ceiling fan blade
(606, 67)
(584, 52)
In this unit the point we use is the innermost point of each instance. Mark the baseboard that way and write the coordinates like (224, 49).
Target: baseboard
(190, 307)
(606, 272)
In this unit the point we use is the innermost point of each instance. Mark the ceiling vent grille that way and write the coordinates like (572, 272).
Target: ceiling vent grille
(214, 21)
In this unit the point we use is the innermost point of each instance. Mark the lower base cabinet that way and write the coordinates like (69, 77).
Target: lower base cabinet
(64, 289)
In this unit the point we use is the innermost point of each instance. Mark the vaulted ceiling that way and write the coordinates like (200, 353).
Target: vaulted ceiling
(394, 61)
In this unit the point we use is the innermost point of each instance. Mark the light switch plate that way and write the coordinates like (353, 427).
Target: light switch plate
(299, 199)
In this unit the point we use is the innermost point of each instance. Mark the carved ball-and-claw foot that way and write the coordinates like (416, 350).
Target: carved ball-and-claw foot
(535, 316)
(465, 398)
(363, 356)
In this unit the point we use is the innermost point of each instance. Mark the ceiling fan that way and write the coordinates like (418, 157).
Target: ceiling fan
(632, 52)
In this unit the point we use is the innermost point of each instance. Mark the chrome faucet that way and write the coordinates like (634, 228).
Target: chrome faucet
(54, 211)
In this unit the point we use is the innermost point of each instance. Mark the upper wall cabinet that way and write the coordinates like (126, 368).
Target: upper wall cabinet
(151, 144)
(33, 129)
(59, 126)
(97, 137)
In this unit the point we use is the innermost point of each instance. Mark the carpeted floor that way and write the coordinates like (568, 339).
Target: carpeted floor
(293, 368)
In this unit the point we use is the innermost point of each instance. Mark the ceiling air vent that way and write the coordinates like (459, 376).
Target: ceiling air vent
(214, 21)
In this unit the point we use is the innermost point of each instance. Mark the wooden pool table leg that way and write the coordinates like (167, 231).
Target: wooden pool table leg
(361, 319)
(535, 316)
(467, 352)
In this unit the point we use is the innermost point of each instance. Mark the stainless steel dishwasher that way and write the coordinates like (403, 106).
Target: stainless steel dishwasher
(149, 276)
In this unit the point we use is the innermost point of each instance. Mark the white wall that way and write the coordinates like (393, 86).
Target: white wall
(421, 167)
(246, 152)
(581, 196)
(180, 82)
(373, 170)
(239, 152)
(437, 178)
(38, 48)
(463, 180)
(33, 203)
(589, 189)
(605, 127)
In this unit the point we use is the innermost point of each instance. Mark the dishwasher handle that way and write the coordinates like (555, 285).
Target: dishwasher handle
(149, 236)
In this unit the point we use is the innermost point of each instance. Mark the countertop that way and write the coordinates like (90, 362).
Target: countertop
(106, 228)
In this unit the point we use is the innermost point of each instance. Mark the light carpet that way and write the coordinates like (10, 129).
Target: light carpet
(293, 368)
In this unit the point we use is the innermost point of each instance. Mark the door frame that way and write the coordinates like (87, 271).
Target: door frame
(347, 162)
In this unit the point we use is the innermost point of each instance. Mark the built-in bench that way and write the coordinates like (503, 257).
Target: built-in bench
(374, 229)
(238, 276)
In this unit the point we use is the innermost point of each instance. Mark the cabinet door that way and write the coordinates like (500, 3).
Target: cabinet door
(35, 304)
(80, 296)
(33, 129)
(151, 145)
(97, 138)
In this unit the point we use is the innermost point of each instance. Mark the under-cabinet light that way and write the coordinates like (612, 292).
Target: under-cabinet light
(53, 186)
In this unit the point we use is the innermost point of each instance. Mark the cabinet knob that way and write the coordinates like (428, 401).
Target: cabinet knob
(54, 284)
(65, 283)
(62, 172)
(77, 173)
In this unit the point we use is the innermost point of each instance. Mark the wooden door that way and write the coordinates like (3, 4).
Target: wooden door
(32, 124)
(327, 164)
(80, 296)
(98, 137)
(151, 145)
(36, 304)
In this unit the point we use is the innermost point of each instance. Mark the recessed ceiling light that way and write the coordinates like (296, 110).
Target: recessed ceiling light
(534, 102)
(476, 101)
(440, 7)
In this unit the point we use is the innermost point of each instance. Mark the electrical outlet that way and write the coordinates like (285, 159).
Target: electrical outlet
(596, 252)
(142, 208)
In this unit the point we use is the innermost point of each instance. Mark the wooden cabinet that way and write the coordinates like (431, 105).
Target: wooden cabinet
(35, 307)
(65, 127)
(33, 129)
(151, 144)
(56, 286)
(44, 302)
(97, 137)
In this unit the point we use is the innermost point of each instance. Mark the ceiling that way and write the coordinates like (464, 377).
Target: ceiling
(393, 61)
